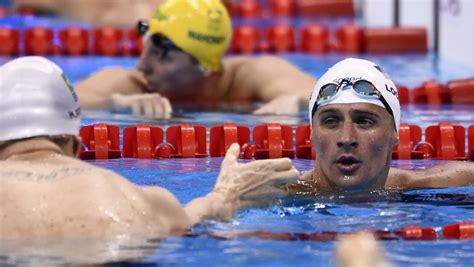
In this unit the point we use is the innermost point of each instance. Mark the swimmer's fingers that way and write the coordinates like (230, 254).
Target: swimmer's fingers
(282, 164)
(231, 157)
(285, 177)
(155, 102)
(137, 107)
(148, 107)
(167, 109)
(268, 181)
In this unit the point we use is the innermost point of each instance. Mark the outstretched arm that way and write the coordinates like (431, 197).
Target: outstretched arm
(241, 186)
(450, 174)
(285, 87)
(120, 88)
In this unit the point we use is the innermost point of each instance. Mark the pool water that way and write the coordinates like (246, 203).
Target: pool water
(190, 178)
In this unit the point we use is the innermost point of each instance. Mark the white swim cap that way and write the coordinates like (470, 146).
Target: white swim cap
(353, 69)
(36, 99)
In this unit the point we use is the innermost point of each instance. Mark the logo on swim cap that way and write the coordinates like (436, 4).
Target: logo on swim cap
(69, 85)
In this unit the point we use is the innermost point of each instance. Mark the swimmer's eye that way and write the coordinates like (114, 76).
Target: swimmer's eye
(365, 122)
(330, 122)
(165, 56)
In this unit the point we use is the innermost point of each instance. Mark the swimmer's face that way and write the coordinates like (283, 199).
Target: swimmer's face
(354, 145)
(170, 72)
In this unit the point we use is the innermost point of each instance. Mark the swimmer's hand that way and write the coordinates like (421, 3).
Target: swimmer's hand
(240, 186)
(151, 105)
(283, 105)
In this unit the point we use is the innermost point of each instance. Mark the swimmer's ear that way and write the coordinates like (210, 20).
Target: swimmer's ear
(76, 145)
(395, 139)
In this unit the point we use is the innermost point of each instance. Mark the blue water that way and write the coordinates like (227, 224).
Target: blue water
(190, 178)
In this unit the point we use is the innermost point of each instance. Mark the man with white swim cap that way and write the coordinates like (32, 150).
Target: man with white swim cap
(184, 45)
(47, 193)
(354, 114)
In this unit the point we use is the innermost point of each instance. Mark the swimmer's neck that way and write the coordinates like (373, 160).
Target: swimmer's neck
(317, 181)
(29, 149)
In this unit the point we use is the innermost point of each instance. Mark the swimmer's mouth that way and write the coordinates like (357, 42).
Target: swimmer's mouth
(348, 164)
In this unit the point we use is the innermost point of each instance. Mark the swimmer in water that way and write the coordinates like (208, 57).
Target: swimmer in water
(354, 115)
(184, 45)
(46, 192)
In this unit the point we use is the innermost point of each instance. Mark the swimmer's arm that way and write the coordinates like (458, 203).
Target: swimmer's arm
(169, 210)
(450, 174)
(97, 90)
(212, 206)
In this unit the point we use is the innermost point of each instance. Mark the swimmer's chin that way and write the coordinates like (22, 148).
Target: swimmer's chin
(350, 184)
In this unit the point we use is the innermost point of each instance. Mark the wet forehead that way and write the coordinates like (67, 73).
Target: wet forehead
(354, 108)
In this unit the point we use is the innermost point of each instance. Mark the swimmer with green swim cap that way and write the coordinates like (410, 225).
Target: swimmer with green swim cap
(184, 45)
(47, 193)
(355, 117)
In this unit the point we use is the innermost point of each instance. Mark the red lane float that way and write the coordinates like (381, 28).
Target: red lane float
(403, 95)
(304, 149)
(431, 92)
(232, 8)
(349, 39)
(38, 41)
(417, 232)
(245, 40)
(282, 7)
(426, 149)
(281, 38)
(314, 39)
(74, 40)
(102, 141)
(222, 136)
(325, 7)
(9, 41)
(186, 141)
(395, 40)
(461, 91)
(135, 44)
(408, 136)
(448, 140)
(470, 142)
(273, 141)
(141, 141)
(108, 41)
(249, 8)
(461, 230)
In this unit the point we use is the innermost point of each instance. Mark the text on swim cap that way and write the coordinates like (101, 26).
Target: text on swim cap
(391, 90)
(205, 37)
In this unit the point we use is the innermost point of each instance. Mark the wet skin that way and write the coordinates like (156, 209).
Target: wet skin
(354, 145)
(173, 74)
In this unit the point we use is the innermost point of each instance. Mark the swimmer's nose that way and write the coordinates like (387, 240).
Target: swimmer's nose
(347, 139)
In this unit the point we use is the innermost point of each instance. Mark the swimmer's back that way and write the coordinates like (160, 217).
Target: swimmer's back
(56, 196)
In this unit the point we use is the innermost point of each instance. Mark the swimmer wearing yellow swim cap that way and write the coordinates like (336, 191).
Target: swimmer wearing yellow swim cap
(184, 45)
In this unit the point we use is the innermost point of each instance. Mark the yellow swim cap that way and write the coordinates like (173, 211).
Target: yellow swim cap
(201, 28)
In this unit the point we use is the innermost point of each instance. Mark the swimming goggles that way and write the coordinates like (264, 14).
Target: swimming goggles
(157, 40)
(363, 88)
